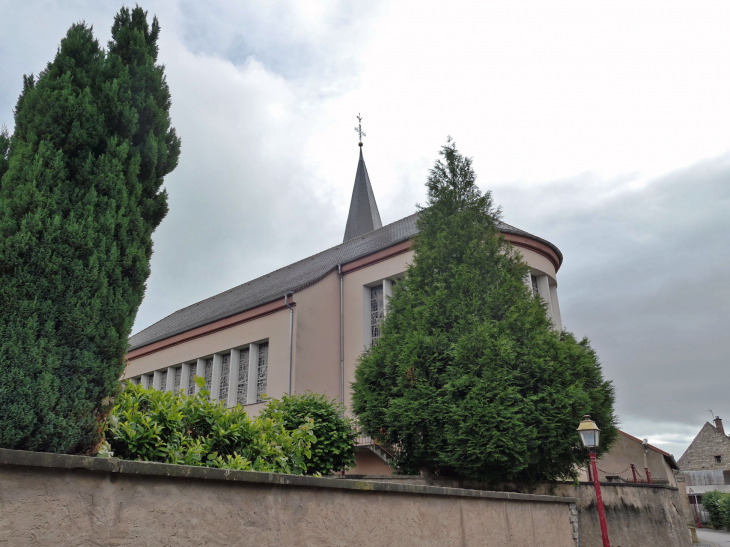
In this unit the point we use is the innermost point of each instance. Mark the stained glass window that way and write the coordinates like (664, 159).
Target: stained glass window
(192, 371)
(242, 395)
(225, 369)
(208, 374)
(263, 371)
(176, 380)
(163, 380)
(376, 311)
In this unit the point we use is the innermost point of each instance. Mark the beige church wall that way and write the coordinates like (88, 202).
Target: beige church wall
(354, 313)
(274, 327)
(317, 341)
(538, 262)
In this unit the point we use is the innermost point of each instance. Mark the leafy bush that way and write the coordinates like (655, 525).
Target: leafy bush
(158, 426)
(334, 448)
(717, 505)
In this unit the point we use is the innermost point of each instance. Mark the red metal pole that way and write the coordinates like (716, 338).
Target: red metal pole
(599, 502)
(697, 517)
(648, 475)
(633, 470)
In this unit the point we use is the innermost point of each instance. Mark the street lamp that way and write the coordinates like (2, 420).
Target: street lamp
(589, 436)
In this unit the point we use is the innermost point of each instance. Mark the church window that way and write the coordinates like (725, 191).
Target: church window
(163, 380)
(263, 371)
(176, 380)
(535, 291)
(242, 394)
(208, 373)
(192, 371)
(376, 311)
(225, 369)
(149, 380)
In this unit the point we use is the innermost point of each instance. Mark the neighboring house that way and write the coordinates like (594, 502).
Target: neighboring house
(303, 327)
(705, 466)
(615, 465)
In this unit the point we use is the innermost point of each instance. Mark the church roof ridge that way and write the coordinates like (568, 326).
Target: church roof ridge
(293, 277)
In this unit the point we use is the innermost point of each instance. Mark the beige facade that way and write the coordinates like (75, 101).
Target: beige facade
(615, 465)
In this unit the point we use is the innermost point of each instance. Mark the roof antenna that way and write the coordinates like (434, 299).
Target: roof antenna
(359, 130)
(711, 414)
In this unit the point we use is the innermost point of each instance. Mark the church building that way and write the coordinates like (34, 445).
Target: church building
(303, 327)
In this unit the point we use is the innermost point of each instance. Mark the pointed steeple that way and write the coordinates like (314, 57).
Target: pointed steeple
(364, 216)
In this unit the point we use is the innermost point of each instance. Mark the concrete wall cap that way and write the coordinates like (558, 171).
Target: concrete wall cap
(112, 465)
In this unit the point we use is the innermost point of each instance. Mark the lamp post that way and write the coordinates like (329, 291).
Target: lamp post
(589, 436)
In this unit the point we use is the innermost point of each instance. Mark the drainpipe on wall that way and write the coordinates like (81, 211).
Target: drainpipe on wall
(291, 332)
(342, 339)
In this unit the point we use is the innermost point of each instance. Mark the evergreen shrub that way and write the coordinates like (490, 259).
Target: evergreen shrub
(334, 449)
(468, 377)
(161, 426)
(80, 196)
(717, 505)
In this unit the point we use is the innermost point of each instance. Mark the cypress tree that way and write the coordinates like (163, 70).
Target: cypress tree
(469, 378)
(79, 200)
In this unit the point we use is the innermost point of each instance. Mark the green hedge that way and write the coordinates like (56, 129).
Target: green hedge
(334, 448)
(157, 426)
(717, 505)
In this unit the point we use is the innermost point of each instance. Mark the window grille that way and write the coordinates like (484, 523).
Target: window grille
(151, 381)
(163, 380)
(535, 291)
(376, 311)
(263, 371)
(223, 396)
(176, 380)
(192, 371)
(208, 373)
(242, 394)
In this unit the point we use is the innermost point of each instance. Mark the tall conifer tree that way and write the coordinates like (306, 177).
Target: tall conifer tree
(468, 378)
(79, 201)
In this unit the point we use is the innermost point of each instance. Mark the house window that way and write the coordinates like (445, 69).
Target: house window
(208, 373)
(718, 459)
(225, 369)
(376, 311)
(192, 371)
(242, 394)
(263, 371)
(163, 380)
(176, 380)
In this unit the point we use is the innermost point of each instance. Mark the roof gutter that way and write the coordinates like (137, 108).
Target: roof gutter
(291, 332)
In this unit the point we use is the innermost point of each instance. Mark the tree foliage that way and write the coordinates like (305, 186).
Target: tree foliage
(162, 426)
(468, 378)
(334, 449)
(79, 199)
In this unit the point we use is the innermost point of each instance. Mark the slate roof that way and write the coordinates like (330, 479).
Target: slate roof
(294, 277)
(363, 216)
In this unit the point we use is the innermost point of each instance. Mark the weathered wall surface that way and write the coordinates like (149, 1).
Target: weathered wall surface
(637, 515)
(57, 500)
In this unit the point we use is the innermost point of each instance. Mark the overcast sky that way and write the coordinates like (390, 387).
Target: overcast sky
(602, 127)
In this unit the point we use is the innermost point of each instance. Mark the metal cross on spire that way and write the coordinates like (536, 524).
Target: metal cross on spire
(359, 130)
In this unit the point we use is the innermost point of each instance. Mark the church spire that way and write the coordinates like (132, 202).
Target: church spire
(364, 216)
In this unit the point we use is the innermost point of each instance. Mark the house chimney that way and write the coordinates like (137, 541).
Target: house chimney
(718, 425)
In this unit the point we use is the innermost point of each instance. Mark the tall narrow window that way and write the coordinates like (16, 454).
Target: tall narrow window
(176, 380)
(192, 371)
(225, 373)
(150, 380)
(242, 393)
(376, 312)
(535, 291)
(208, 373)
(263, 371)
(163, 380)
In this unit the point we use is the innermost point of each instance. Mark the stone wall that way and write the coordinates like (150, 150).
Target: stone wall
(48, 499)
(637, 515)
(700, 455)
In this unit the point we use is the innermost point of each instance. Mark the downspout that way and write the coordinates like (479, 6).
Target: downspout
(342, 339)
(291, 332)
